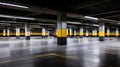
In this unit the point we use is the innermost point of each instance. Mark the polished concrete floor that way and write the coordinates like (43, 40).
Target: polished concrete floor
(43, 52)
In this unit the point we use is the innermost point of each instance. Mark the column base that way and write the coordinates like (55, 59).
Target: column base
(17, 37)
(81, 36)
(27, 38)
(61, 41)
(101, 38)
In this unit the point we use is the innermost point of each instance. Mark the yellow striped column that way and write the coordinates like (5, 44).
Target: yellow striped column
(101, 30)
(61, 31)
(81, 32)
(4, 32)
(8, 32)
(117, 32)
(43, 32)
(75, 33)
(17, 33)
(87, 33)
(27, 31)
(94, 32)
(70, 32)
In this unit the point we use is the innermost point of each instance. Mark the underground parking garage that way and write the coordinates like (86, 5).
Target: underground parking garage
(49, 33)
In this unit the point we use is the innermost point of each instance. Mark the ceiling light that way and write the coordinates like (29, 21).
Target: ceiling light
(16, 17)
(73, 22)
(13, 5)
(92, 18)
(95, 25)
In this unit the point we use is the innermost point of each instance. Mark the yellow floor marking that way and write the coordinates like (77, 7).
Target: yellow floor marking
(20, 59)
(67, 57)
(38, 56)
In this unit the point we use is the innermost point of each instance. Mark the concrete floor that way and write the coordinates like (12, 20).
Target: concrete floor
(43, 52)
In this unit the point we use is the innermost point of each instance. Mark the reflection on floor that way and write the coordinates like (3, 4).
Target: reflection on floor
(43, 52)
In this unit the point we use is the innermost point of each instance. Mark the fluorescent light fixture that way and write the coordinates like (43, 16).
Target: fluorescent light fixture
(95, 25)
(13, 5)
(16, 17)
(73, 22)
(92, 18)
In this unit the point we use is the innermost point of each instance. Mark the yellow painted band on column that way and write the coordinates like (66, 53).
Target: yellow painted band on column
(87, 34)
(101, 33)
(26, 34)
(117, 34)
(75, 34)
(43, 33)
(70, 33)
(61, 33)
(108, 34)
(4, 34)
(94, 34)
(81, 33)
(17, 33)
(8, 34)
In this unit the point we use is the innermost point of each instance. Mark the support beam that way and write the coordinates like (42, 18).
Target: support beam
(101, 30)
(61, 29)
(27, 31)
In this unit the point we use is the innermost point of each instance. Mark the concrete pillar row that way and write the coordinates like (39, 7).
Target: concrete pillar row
(27, 31)
(61, 31)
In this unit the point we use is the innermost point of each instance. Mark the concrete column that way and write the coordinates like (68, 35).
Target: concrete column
(70, 32)
(101, 30)
(75, 33)
(108, 31)
(81, 32)
(17, 33)
(8, 32)
(67, 32)
(94, 32)
(27, 31)
(61, 31)
(87, 33)
(43, 32)
(48, 33)
(4, 32)
(117, 32)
